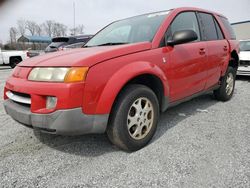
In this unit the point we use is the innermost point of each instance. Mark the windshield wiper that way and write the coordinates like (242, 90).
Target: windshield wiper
(107, 44)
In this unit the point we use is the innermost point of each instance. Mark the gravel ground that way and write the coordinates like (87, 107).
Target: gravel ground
(201, 143)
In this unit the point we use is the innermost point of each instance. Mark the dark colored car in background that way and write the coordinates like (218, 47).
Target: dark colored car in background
(58, 43)
(75, 45)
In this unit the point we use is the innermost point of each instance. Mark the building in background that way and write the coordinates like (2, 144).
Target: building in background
(33, 42)
(242, 30)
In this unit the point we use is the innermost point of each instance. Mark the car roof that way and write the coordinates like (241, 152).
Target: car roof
(180, 9)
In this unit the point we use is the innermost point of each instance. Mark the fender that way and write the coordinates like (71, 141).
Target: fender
(119, 79)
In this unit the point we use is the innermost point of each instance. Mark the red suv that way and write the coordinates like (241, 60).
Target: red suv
(127, 74)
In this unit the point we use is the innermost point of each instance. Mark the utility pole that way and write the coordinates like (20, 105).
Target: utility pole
(74, 12)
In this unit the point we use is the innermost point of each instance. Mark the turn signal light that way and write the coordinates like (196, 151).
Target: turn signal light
(76, 74)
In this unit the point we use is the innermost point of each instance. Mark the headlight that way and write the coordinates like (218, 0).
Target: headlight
(56, 74)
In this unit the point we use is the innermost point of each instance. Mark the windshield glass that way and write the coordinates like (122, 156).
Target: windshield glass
(245, 46)
(132, 30)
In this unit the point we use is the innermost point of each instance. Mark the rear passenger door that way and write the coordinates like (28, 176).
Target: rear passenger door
(217, 47)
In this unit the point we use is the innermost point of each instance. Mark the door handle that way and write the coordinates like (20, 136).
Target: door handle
(202, 51)
(225, 48)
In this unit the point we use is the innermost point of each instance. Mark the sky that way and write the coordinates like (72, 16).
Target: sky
(95, 14)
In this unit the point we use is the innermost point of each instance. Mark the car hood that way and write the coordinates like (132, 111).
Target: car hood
(245, 55)
(84, 56)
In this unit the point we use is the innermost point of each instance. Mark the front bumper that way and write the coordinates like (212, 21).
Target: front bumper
(61, 122)
(243, 70)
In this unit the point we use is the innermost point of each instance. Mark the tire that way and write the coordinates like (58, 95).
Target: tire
(14, 62)
(226, 90)
(121, 131)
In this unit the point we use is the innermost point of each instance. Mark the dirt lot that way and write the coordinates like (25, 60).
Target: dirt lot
(201, 143)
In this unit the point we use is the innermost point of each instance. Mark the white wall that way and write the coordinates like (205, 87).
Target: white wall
(242, 30)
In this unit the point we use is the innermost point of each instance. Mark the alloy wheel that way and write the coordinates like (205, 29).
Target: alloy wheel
(140, 118)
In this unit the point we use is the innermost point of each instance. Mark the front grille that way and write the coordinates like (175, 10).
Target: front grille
(19, 98)
(21, 94)
(244, 63)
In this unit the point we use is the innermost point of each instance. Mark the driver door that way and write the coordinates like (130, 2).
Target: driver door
(188, 61)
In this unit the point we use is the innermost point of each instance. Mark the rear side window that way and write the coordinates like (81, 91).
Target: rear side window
(184, 21)
(228, 27)
(208, 27)
(219, 31)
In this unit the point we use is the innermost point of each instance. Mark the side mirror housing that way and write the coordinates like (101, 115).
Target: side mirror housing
(183, 36)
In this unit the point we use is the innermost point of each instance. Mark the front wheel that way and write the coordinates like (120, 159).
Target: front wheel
(134, 118)
(226, 90)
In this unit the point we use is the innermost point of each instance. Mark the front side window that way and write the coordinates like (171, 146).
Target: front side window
(132, 30)
(208, 25)
(184, 21)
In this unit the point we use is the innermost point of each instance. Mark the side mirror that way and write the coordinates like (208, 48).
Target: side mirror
(183, 36)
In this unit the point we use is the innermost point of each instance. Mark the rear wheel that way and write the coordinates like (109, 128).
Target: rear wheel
(226, 90)
(14, 62)
(134, 118)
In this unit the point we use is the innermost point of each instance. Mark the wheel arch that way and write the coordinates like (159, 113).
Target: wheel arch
(154, 83)
(234, 60)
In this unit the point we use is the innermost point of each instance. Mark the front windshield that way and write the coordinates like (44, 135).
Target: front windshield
(132, 30)
(245, 46)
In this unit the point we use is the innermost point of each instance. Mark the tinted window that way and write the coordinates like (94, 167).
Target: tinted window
(208, 26)
(219, 32)
(184, 21)
(229, 28)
